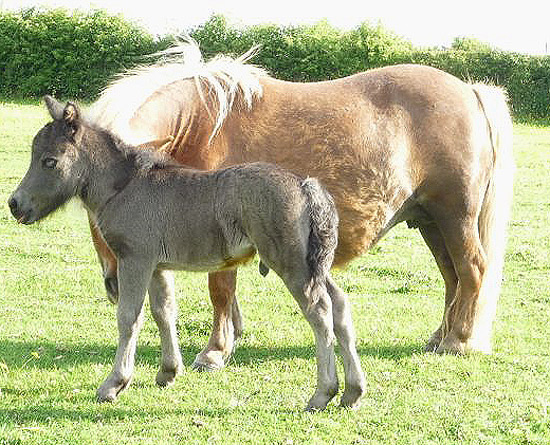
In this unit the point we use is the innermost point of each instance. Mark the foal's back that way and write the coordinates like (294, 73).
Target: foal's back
(209, 220)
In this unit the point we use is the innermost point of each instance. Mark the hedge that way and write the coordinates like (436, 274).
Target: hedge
(74, 54)
(66, 54)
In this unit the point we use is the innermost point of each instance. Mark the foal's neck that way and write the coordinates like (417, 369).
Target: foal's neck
(110, 169)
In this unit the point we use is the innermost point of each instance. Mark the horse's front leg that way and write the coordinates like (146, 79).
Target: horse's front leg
(227, 325)
(134, 276)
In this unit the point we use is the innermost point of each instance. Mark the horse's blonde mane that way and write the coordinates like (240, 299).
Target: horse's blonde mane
(228, 78)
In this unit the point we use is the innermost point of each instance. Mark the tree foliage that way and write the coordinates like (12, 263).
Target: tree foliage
(65, 53)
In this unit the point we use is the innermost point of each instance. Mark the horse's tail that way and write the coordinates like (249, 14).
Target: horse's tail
(495, 209)
(323, 235)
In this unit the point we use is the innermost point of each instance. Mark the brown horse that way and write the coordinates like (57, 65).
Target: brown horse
(401, 143)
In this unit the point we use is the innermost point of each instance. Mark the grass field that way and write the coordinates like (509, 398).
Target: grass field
(58, 337)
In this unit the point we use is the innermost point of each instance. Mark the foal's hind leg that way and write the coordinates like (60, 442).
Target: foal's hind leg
(433, 238)
(227, 323)
(319, 316)
(164, 310)
(343, 328)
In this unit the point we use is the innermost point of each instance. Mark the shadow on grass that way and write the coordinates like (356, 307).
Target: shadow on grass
(48, 355)
(115, 414)
(81, 406)
(44, 413)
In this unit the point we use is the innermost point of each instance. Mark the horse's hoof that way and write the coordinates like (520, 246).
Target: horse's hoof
(432, 345)
(110, 389)
(106, 398)
(451, 345)
(107, 395)
(316, 406)
(320, 399)
(434, 342)
(208, 361)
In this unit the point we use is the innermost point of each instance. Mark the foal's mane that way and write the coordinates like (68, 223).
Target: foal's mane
(142, 160)
(231, 80)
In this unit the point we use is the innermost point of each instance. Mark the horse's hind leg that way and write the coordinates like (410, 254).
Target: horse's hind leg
(343, 328)
(164, 310)
(227, 324)
(433, 238)
(464, 246)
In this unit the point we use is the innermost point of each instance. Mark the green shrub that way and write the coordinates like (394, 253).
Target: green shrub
(66, 54)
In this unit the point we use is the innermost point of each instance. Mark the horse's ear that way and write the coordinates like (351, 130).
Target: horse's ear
(71, 117)
(54, 107)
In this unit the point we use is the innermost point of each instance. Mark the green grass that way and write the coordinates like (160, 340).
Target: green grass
(58, 337)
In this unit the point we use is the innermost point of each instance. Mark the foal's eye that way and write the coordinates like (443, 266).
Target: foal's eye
(49, 162)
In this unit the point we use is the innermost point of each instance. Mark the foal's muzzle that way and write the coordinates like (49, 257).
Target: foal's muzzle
(22, 216)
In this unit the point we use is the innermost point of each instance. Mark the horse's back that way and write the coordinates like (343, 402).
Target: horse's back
(374, 139)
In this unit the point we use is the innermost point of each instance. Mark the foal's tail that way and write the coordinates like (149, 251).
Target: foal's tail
(323, 235)
(495, 210)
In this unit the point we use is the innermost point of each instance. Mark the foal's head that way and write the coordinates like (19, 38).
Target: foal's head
(56, 170)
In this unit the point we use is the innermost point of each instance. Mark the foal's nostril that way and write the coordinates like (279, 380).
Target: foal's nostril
(12, 202)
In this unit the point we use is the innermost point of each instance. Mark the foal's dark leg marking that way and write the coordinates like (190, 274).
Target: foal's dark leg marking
(111, 286)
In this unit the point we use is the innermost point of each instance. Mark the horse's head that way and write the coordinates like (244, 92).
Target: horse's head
(54, 174)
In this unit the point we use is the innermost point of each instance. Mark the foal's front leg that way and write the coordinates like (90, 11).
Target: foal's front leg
(134, 277)
(164, 310)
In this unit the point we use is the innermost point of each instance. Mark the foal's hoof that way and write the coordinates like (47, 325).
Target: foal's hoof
(320, 400)
(106, 396)
(351, 397)
(314, 406)
(166, 378)
(109, 391)
(209, 361)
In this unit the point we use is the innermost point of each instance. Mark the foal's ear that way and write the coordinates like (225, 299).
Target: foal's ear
(54, 107)
(71, 117)
(69, 114)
